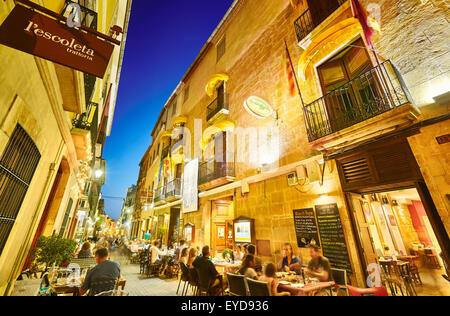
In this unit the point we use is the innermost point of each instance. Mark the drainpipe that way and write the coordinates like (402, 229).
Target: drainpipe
(24, 249)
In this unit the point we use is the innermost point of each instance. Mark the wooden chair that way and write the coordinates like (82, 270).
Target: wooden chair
(143, 262)
(431, 259)
(237, 285)
(152, 268)
(258, 288)
(390, 277)
(407, 278)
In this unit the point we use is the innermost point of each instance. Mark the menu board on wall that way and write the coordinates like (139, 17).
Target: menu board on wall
(332, 236)
(306, 228)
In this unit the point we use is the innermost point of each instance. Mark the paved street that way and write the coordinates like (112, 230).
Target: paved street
(137, 285)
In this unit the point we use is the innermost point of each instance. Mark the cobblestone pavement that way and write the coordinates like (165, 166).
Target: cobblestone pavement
(137, 285)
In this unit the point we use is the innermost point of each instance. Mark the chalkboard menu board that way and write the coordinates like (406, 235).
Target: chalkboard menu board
(305, 227)
(332, 236)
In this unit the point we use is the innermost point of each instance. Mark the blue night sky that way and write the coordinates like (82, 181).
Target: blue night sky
(164, 37)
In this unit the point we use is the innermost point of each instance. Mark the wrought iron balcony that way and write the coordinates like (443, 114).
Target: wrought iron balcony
(173, 190)
(218, 107)
(307, 22)
(88, 121)
(165, 152)
(159, 195)
(374, 92)
(213, 170)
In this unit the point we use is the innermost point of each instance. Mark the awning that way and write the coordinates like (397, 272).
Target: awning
(213, 82)
(222, 126)
(179, 120)
(327, 42)
(166, 134)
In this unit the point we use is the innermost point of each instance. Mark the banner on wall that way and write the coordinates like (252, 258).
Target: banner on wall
(190, 190)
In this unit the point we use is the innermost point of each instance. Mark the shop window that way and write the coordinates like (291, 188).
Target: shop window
(17, 166)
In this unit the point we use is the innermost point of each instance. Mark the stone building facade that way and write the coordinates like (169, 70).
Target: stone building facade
(65, 116)
(249, 131)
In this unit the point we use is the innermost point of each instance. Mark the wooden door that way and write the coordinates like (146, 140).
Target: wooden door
(218, 237)
(363, 228)
(342, 94)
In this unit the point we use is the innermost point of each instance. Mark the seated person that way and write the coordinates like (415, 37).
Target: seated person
(319, 266)
(271, 278)
(156, 253)
(104, 270)
(258, 262)
(288, 261)
(85, 251)
(209, 277)
(238, 253)
(184, 255)
(247, 267)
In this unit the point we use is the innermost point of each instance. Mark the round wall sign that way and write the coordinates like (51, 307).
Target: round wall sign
(258, 107)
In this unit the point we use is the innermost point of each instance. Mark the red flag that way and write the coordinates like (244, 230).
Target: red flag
(361, 15)
(290, 74)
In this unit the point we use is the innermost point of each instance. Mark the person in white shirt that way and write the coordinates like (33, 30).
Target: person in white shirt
(156, 253)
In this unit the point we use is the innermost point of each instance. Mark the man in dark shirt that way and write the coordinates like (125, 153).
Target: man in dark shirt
(319, 266)
(208, 275)
(258, 262)
(104, 270)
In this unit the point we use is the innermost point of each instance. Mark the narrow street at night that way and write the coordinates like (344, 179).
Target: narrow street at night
(218, 155)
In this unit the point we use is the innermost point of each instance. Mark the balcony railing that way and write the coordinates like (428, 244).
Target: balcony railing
(159, 195)
(306, 23)
(218, 105)
(88, 121)
(212, 170)
(173, 189)
(165, 152)
(374, 92)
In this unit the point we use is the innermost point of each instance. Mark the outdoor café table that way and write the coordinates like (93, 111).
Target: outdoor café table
(75, 287)
(228, 267)
(307, 290)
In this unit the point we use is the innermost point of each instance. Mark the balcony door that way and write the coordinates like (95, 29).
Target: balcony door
(320, 10)
(348, 86)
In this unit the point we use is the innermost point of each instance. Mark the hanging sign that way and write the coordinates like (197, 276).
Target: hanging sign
(259, 107)
(39, 35)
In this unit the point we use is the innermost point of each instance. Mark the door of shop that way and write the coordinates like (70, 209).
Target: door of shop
(386, 165)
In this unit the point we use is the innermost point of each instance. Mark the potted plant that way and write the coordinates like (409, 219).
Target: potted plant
(228, 255)
(53, 250)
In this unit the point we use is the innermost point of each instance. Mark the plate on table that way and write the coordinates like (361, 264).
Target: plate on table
(285, 283)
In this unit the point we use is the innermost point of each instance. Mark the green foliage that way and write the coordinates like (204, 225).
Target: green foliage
(228, 252)
(53, 249)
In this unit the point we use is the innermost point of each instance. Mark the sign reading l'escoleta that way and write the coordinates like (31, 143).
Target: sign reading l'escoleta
(42, 36)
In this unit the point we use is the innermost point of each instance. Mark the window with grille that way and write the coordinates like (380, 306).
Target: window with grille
(17, 166)
(174, 107)
(66, 218)
(221, 47)
(186, 93)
